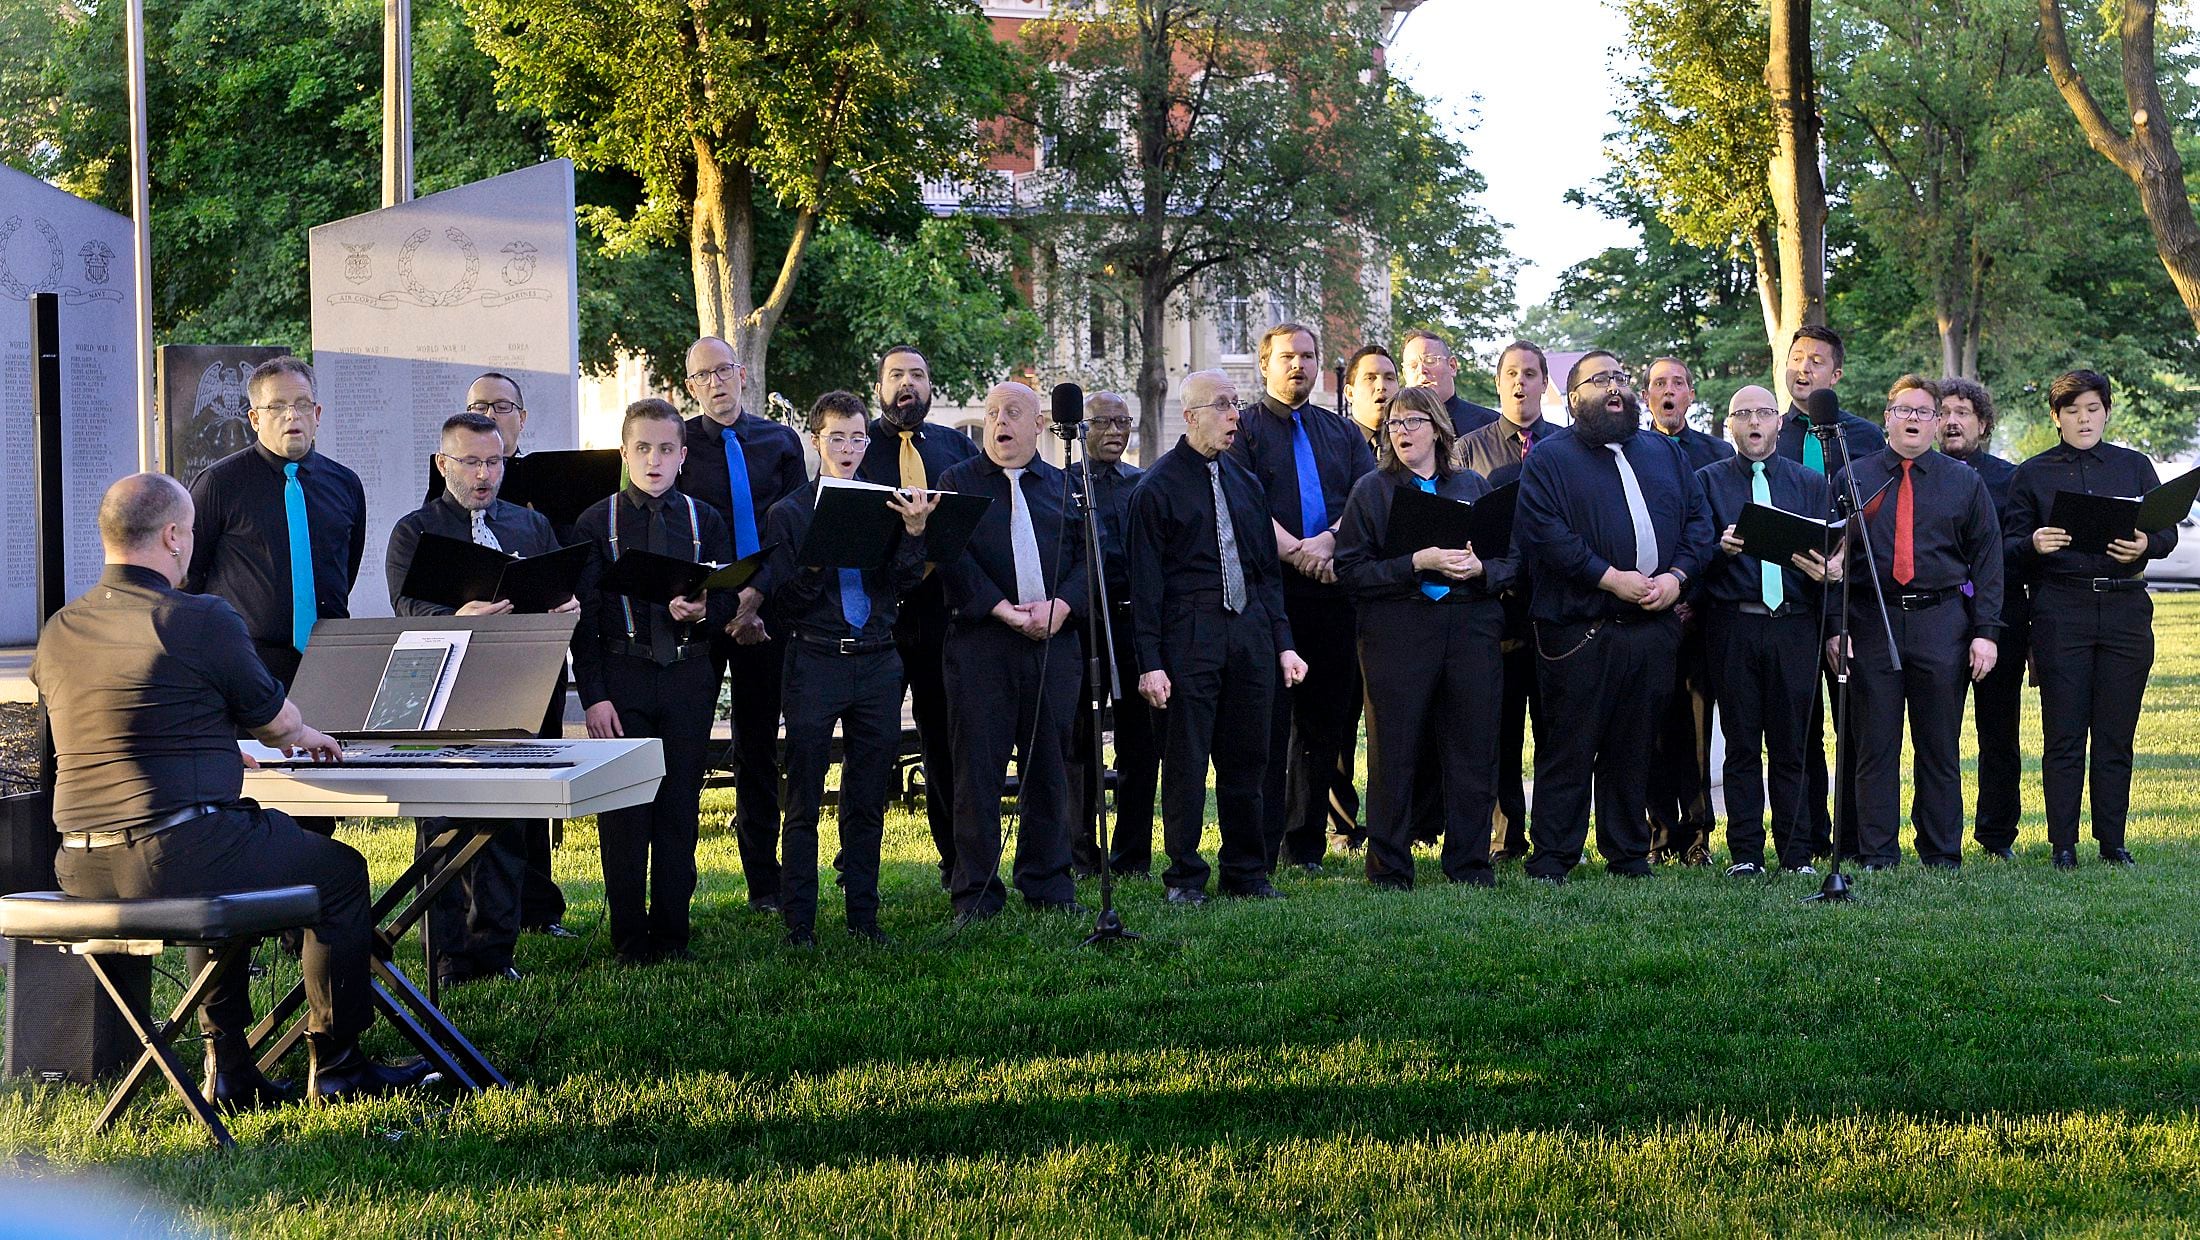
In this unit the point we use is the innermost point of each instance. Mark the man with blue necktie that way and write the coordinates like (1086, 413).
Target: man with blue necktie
(1306, 460)
(741, 465)
(280, 528)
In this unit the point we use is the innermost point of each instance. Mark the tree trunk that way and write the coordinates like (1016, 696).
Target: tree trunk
(1798, 192)
(1153, 373)
(722, 254)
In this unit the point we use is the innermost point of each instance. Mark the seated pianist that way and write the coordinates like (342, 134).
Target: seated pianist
(146, 687)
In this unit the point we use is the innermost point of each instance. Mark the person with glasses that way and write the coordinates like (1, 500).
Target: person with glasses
(741, 464)
(907, 451)
(1760, 626)
(1429, 627)
(1611, 525)
(2092, 622)
(1425, 360)
(1306, 460)
(476, 922)
(1495, 452)
(1966, 428)
(841, 668)
(280, 527)
(1137, 760)
(1932, 531)
(1212, 636)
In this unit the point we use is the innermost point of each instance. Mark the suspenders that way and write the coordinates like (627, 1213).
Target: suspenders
(695, 539)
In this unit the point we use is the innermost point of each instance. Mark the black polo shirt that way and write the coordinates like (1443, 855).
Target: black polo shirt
(242, 533)
(147, 687)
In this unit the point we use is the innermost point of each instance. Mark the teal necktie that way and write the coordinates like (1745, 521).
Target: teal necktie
(1814, 452)
(1774, 588)
(303, 609)
(1435, 592)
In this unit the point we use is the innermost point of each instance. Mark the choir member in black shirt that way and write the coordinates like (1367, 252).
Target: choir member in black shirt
(741, 464)
(838, 626)
(1932, 531)
(1207, 598)
(1814, 361)
(1966, 427)
(1137, 757)
(643, 669)
(1426, 360)
(1761, 639)
(475, 922)
(1495, 451)
(147, 687)
(1012, 672)
(2092, 622)
(907, 451)
(1306, 460)
(1429, 627)
(1611, 525)
(1370, 380)
(257, 504)
(1680, 763)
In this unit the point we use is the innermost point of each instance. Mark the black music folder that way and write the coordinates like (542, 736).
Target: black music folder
(2094, 521)
(853, 528)
(654, 578)
(453, 572)
(1418, 520)
(560, 485)
(1776, 535)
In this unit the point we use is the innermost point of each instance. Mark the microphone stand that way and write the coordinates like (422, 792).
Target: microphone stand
(1837, 887)
(1101, 689)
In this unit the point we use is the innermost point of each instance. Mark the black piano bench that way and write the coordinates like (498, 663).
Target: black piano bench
(96, 928)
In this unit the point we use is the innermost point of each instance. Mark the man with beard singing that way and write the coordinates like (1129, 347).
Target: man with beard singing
(907, 453)
(1611, 525)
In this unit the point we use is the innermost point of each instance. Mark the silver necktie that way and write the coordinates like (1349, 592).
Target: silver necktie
(1023, 542)
(483, 535)
(1233, 571)
(1646, 538)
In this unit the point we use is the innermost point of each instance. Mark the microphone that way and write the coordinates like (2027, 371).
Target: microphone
(1825, 411)
(1067, 407)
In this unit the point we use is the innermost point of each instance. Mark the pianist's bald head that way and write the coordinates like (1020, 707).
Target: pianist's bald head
(145, 519)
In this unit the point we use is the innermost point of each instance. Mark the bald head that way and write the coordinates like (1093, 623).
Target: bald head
(145, 519)
(1210, 411)
(1753, 422)
(1011, 425)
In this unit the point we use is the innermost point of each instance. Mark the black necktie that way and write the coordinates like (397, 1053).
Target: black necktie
(662, 643)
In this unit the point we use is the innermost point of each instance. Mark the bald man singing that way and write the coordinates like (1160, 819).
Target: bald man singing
(1012, 668)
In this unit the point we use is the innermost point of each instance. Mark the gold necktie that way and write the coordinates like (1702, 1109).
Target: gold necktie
(912, 464)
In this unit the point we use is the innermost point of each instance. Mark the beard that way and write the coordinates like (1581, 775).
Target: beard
(906, 417)
(1595, 424)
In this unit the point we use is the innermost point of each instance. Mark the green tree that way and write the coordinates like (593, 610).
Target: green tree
(826, 108)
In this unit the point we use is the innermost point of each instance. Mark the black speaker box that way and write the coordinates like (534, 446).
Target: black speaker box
(27, 843)
(60, 1023)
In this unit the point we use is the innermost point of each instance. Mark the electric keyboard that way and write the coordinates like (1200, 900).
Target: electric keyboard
(473, 779)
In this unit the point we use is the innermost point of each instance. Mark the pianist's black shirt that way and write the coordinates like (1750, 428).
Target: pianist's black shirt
(147, 686)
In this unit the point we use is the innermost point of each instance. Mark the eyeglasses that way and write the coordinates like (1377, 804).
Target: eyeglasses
(495, 406)
(1110, 424)
(1417, 422)
(1910, 413)
(1228, 404)
(303, 408)
(1609, 380)
(723, 373)
(1758, 411)
(855, 439)
(471, 463)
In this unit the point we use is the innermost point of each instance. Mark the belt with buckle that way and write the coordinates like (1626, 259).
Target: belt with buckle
(845, 645)
(1919, 600)
(1751, 607)
(641, 650)
(131, 835)
(2117, 585)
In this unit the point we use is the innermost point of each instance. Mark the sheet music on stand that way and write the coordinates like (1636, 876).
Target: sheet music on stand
(416, 682)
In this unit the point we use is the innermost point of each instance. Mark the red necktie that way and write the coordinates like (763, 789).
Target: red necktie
(1527, 441)
(1905, 555)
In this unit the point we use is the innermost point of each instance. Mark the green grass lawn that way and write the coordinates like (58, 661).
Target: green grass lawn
(2005, 1051)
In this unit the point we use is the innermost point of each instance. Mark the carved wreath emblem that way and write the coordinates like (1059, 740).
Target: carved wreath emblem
(52, 279)
(453, 295)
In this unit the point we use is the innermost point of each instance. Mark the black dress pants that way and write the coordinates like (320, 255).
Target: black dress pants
(1935, 647)
(649, 850)
(1008, 694)
(1137, 765)
(1522, 695)
(541, 903)
(753, 757)
(863, 693)
(1606, 683)
(1680, 765)
(1222, 678)
(1764, 675)
(1432, 675)
(247, 849)
(1997, 705)
(2094, 653)
(1312, 729)
(920, 635)
(474, 923)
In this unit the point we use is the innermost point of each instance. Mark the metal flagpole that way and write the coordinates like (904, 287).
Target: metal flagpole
(140, 195)
(397, 117)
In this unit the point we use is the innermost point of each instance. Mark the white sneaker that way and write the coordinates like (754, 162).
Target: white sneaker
(1744, 869)
(1802, 869)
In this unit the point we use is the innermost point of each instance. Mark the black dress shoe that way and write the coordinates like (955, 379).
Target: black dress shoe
(764, 904)
(2117, 856)
(1069, 907)
(799, 938)
(1503, 855)
(243, 1088)
(1187, 896)
(2001, 852)
(555, 930)
(2066, 858)
(869, 932)
(1260, 889)
(352, 1074)
(1476, 878)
